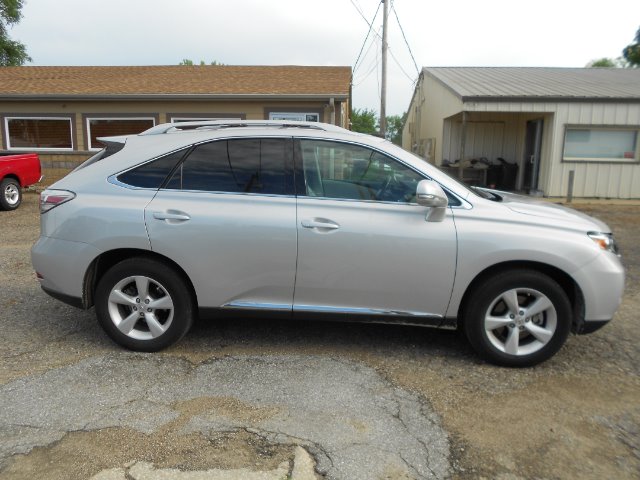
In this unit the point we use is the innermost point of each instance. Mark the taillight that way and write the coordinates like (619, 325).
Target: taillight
(52, 198)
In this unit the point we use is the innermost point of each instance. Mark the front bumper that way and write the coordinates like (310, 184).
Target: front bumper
(602, 284)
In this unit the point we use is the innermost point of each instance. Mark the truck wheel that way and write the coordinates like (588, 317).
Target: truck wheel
(517, 318)
(144, 305)
(10, 194)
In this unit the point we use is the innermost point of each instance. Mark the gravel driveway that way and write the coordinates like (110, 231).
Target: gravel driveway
(365, 401)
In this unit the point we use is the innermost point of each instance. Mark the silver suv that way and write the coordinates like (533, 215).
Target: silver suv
(307, 220)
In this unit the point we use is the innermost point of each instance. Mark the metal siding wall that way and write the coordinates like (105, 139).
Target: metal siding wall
(594, 179)
(591, 179)
(484, 139)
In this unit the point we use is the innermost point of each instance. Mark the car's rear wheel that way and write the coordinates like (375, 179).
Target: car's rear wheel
(517, 318)
(10, 194)
(144, 305)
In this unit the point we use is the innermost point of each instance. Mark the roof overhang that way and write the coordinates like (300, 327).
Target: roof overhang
(550, 99)
(176, 97)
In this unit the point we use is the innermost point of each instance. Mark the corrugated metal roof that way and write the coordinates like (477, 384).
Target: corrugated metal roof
(539, 83)
(174, 80)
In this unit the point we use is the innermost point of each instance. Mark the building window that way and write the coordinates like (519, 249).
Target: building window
(295, 116)
(202, 119)
(38, 133)
(600, 145)
(111, 127)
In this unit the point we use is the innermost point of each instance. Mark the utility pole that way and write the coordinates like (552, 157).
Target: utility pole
(383, 89)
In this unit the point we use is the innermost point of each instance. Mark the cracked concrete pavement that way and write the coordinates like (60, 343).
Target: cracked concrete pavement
(354, 423)
(240, 397)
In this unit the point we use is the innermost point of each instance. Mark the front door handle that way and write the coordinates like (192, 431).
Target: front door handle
(171, 216)
(320, 223)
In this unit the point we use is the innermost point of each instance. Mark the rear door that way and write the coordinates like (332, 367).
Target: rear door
(364, 245)
(227, 216)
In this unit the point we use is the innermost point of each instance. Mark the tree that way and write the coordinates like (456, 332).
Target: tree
(364, 121)
(395, 123)
(631, 53)
(605, 63)
(12, 53)
(186, 61)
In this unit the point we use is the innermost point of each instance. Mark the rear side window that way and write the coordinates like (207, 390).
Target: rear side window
(152, 174)
(255, 165)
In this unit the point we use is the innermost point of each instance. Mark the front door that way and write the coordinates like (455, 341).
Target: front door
(532, 153)
(364, 246)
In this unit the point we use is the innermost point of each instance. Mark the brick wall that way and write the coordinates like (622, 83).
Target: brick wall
(54, 167)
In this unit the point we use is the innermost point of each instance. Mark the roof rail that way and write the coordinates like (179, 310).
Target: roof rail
(220, 124)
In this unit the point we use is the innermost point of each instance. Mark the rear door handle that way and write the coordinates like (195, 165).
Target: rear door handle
(317, 223)
(171, 216)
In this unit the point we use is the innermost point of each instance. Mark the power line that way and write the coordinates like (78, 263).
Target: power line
(372, 43)
(370, 69)
(365, 18)
(415, 64)
(411, 79)
(368, 32)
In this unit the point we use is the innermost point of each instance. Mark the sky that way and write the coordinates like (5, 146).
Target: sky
(547, 33)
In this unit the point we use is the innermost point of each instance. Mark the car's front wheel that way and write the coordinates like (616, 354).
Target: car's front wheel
(144, 305)
(517, 318)
(10, 194)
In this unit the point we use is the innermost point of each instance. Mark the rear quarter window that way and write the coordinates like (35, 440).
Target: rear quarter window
(152, 174)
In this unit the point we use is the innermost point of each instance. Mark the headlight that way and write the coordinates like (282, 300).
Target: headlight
(605, 241)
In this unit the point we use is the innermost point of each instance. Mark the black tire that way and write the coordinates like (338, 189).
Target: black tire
(157, 327)
(10, 194)
(520, 340)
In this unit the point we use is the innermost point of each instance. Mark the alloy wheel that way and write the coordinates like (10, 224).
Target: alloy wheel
(520, 321)
(140, 307)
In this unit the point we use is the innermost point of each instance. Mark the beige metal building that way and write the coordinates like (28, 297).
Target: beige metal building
(59, 112)
(547, 121)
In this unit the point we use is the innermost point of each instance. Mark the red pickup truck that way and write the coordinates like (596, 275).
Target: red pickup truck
(17, 172)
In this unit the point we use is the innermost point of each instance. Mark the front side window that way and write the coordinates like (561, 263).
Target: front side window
(111, 127)
(38, 133)
(600, 145)
(344, 171)
(236, 166)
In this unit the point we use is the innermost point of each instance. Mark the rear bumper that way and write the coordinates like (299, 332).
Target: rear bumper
(62, 265)
(68, 299)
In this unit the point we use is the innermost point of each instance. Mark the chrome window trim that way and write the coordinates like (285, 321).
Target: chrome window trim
(464, 204)
(114, 180)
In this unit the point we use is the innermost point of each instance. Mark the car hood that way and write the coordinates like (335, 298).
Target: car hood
(541, 208)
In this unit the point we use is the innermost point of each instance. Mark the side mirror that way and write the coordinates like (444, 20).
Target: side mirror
(430, 194)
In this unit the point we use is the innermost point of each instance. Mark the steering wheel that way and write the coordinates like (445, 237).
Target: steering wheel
(381, 191)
